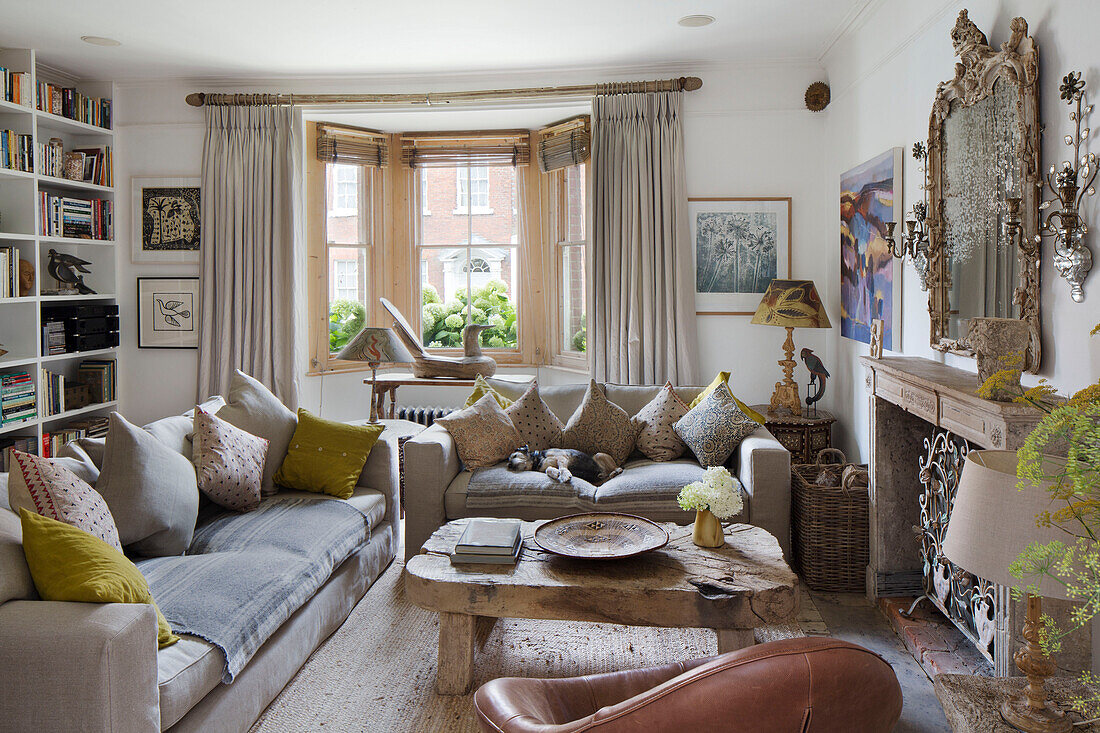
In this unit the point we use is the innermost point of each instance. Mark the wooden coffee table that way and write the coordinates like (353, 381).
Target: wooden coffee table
(731, 589)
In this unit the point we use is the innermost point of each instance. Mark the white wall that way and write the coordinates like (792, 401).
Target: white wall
(883, 76)
(747, 134)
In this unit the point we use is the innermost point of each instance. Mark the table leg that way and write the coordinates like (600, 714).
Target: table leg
(457, 642)
(730, 640)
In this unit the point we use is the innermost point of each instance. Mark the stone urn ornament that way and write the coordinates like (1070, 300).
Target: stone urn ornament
(999, 345)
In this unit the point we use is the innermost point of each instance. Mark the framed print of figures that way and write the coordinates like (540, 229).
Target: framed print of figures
(165, 220)
(870, 277)
(166, 312)
(739, 246)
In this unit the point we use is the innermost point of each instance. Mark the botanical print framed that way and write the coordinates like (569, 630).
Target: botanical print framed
(739, 245)
(870, 277)
(165, 220)
(166, 312)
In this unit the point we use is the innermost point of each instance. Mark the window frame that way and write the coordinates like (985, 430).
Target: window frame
(557, 241)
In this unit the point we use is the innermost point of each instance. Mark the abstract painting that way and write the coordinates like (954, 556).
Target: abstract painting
(870, 277)
(739, 245)
(166, 318)
(166, 219)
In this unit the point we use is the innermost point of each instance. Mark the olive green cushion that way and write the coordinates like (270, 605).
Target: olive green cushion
(325, 456)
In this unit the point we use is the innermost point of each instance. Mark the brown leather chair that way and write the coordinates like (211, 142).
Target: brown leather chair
(803, 685)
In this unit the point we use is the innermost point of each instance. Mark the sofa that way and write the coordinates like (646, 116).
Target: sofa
(86, 666)
(438, 488)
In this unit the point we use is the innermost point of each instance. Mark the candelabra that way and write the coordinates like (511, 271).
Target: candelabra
(1070, 185)
(914, 240)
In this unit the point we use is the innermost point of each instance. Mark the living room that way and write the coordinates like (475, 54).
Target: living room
(253, 259)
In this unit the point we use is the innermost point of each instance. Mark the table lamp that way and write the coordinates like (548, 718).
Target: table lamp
(991, 523)
(790, 304)
(374, 346)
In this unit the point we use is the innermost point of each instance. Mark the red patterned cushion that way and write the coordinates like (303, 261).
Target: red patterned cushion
(229, 461)
(53, 491)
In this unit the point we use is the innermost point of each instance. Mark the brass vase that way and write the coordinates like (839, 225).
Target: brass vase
(708, 530)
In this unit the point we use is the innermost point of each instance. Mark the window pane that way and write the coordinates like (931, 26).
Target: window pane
(497, 224)
(348, 287)
(345, 223)
(574, 331)
(493, 275)
(574, 203)
(443, 296)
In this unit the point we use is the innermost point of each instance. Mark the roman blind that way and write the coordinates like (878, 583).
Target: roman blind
(351, 145)
(564, 144)
(450, 149)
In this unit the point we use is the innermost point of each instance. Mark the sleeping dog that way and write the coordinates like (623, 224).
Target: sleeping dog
(562, 464)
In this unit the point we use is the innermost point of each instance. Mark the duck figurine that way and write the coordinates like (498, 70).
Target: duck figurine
(66, 269)
(469, 365)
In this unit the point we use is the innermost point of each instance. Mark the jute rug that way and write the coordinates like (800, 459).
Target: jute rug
(376, 673)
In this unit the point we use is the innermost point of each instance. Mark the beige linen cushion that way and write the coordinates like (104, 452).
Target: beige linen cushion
(536, 425)
(150, 489)
(715, 427)
(252, 407)
(483, 433)
(48, 488)
(598, 426)
(229, 463)
(657, 439)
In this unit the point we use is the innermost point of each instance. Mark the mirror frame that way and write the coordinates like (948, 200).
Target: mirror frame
(980, 66)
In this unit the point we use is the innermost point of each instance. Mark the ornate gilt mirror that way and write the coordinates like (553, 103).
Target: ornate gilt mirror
(983, 149)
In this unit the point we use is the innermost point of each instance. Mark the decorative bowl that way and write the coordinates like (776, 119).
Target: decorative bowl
(600, 536)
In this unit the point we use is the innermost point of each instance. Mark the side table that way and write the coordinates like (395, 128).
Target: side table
(804, 436)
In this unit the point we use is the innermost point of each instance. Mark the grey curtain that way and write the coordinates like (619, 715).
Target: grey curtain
(642, 299)
(247, 319)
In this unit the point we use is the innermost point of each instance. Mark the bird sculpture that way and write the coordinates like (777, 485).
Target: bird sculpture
(818, 375)
(67, 269)
(469, 365)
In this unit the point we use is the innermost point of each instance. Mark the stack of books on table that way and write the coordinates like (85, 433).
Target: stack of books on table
(17, 397)
(490, 542)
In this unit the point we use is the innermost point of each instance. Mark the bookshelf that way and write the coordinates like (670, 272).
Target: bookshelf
(22, 227)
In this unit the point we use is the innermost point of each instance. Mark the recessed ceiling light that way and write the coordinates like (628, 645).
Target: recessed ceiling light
(696, 21)
(100, 41)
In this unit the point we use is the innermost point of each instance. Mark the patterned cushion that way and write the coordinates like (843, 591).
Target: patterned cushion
(537, 426)
(482, 388)
(49, 489)
(657, 440)
(715, 427)
(229, 463)
(724, 378)
(599, 426)
(483, 433)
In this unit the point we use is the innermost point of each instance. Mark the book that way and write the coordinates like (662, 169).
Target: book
(474, 559)
(484, 536)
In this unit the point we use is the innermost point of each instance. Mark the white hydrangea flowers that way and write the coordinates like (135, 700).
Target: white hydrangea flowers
(715, 492)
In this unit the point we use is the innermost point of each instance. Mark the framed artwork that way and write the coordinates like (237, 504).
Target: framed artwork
(166, 312)
(165, 220)
(739, 246)
(870, 277)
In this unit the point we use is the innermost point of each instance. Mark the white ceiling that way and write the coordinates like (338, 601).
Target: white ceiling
(226, 39)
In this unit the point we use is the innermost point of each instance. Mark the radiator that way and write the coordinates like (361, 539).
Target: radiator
(420, 414)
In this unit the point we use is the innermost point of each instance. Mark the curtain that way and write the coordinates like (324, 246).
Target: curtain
(642, 296)
(247, 319)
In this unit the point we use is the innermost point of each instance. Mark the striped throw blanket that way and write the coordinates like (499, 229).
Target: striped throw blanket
(245, 574)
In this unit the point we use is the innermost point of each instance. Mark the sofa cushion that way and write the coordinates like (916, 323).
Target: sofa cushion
(601, 427)
(496, 489)
(648, 487)
(657, 440)
(254, 409)
(186, 672)
(176, 431)
(633, 397)
(150, 489)
(326, 456)
(229, 462)
(482, 388)
(15, 577)
(85, 449)
(715, 427)
(535, 423)
(370, 503)
(724, 378)
(483, 433)
(562, 399)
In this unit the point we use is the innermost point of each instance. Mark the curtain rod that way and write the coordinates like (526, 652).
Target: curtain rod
(683, 83)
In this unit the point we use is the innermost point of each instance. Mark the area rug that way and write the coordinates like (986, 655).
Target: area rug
(376, 673)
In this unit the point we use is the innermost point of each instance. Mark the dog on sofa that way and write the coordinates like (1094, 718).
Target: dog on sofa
(562, 464)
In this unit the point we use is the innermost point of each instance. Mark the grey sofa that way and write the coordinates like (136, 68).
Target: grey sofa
(439, 489)
(85, 666)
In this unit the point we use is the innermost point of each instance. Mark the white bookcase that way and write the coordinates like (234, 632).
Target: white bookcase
(21, 317)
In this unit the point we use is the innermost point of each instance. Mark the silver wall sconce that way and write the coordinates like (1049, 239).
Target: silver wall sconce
(914, 240)
(1070, 185)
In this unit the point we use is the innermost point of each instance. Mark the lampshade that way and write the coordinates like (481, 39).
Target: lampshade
(792, 304)
(993, 521)
(375, 345)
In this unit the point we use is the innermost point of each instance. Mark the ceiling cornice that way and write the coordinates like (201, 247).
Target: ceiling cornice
(850, 23)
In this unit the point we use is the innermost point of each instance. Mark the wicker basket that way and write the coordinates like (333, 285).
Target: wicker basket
(830, 523)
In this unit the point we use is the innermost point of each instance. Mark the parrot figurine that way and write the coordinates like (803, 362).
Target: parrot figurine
(66, 268)
(818, 375)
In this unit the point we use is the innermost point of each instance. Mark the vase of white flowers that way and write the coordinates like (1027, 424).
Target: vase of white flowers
(713, 499)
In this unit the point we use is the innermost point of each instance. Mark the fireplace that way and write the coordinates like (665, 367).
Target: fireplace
(925, 418)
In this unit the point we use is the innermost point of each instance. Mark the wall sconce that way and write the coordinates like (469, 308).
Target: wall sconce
(1072, 257)
(914, 240)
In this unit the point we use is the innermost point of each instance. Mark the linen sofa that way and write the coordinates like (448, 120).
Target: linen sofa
(85, 666)
(439, 489)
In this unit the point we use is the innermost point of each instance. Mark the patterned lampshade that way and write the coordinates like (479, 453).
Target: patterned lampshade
(375, 345)
(792, 304)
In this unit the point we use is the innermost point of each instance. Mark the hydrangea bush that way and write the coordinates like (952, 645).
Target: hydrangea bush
(715, 492)
(345, 319)
(442, 323)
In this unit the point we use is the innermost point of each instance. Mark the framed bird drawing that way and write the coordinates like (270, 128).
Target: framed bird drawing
(166, 312)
